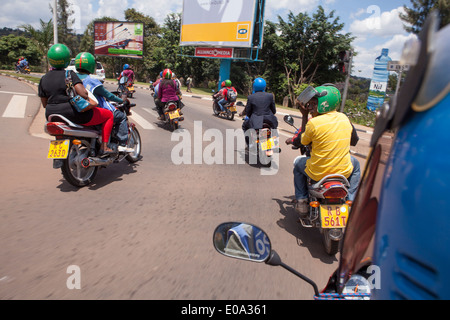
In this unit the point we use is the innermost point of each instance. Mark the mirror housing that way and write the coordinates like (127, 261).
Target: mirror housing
(242, 241)
(288, 119)
(240, 103)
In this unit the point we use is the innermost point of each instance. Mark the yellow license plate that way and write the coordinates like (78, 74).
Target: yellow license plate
(334, 216)
(233, 109)
(268, 144)
(174, 114)
(59, 149)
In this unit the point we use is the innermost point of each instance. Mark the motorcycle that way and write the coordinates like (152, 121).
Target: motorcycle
(263, 143)
(126, 89)
(248, 242)
(23, 70)
(172, 114)
(131, 90)
(230, 109)
(76, 148)
(328, 205)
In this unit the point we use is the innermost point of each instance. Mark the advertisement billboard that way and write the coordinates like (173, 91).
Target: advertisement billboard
(119, 39)
(227, 23)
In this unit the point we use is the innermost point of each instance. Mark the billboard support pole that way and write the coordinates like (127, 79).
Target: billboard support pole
(225, 70)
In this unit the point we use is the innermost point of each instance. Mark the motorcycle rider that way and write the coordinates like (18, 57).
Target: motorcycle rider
(85, 65)
(126, 76)
(53, 93)
(330, 133)
(222, 95)
(260, 108)
(168, 91)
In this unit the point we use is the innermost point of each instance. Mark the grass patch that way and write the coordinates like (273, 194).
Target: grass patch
(19, 75)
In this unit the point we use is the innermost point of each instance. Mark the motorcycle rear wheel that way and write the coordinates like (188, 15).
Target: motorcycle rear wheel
(72, 169)
(134, 142)
(331, 246)
(230, 115)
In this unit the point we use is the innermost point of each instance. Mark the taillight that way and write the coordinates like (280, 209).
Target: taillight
(335, 193)
(172, 107)
(54, 129)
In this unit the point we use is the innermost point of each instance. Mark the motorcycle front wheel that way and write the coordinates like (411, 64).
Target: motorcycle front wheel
(73, 171)
(134, 142)
(215, 109)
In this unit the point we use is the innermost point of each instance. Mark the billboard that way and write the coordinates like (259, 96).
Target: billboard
(119, 39)
(227, 23)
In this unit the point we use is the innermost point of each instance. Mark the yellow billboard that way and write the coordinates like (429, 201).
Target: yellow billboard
(217, 23)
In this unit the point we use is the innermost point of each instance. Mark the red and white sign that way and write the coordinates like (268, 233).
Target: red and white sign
(214, 52)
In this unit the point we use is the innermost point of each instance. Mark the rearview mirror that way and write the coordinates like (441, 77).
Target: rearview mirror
(242, 241)
(289, 120)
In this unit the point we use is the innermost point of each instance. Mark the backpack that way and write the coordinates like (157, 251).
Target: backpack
(231, 95)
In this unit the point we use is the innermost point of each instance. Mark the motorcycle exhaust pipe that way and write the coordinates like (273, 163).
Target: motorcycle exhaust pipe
(96, 162)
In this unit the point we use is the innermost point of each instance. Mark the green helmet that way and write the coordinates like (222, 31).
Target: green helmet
(329, 98)
(85, 61)
(59, 56)
(228, 83)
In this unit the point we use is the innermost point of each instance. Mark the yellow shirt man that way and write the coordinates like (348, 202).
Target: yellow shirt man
(329, 135)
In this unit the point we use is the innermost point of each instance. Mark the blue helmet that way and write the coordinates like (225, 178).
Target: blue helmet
(126, 66)
(259, 85)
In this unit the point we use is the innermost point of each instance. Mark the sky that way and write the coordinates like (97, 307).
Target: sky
(375, 24)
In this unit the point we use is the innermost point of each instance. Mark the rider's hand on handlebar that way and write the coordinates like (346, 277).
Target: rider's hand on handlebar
(289, 141)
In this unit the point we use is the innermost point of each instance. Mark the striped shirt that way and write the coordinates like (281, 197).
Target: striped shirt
(329, 135)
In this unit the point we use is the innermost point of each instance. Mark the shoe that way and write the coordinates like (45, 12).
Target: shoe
(161, 117)
(124, 149)
(302, 207)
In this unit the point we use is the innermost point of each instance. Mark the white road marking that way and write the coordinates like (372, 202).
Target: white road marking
(141, 121)
(16, 107)
(19, 93)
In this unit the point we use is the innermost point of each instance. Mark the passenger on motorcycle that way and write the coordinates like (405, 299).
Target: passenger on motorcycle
(55, 99)
(329, 133)
(222, 95)
(126, 76)
(85, 65)
(167, 91)
(260, 108)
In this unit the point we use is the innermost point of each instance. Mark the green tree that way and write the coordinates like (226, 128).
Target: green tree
(148, 66)
(307, 49)
(13, 47)
(416, 15)
(65, 34)
(42, 38)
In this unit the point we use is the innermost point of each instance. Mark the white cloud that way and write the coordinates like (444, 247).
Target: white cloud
(281, 7)
(363, 63)
(381, 24)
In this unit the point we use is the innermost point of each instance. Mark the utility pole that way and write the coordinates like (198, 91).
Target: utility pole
(55, 22)
(347, 60)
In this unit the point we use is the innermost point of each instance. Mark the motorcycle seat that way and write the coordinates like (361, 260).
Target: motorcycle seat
(328, 178)
(55, 117)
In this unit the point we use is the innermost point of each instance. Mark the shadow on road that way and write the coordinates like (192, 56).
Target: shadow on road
(309, 238)
(105, 176)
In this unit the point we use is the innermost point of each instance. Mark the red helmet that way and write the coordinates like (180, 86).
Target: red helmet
(222, 84)
(167, 74)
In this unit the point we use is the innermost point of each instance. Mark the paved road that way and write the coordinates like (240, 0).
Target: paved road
(144, 231)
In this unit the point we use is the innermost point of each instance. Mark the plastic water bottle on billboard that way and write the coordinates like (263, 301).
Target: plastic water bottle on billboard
(379, 81)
